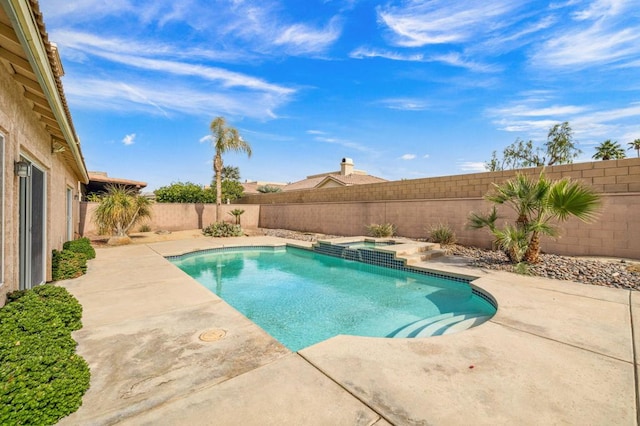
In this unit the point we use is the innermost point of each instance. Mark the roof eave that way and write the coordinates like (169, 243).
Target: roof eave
(29, 34)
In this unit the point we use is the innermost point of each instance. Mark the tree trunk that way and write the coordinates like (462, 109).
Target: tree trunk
(217, 167)
(532, 254)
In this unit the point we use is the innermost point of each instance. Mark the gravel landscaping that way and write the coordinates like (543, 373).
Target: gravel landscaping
(605, 272)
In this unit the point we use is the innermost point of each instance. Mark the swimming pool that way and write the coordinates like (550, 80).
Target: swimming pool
(301, 297)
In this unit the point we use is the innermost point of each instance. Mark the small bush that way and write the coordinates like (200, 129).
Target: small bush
(41, 377)
(66, 264)
(442, 234)
(382, 230)
(81, 245)
(222, 229)
(145, 228)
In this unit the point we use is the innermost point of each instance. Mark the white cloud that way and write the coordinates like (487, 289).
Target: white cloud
(471, 166)
(315, 132)
(205, 139)
(601, 34)
(343, 142)
(415, 24)
(365, 52)
(408, 157)
(129, 139)
(426, 156)
(301, 39)
(405, 104)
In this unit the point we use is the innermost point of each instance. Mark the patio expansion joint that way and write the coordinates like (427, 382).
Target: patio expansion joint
(365, 403)
(635, 359)
(565, 343)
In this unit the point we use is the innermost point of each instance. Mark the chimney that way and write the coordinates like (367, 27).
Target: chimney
(346, 167)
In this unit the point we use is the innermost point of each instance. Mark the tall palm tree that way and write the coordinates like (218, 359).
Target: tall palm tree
(608, 150)
(635, 145)
(224, 139)
(537, 203)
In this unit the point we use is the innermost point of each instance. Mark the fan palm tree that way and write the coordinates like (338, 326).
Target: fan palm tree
(608, 150)
(224, 139)
(119, 210)
(537, 203)
(635, 145)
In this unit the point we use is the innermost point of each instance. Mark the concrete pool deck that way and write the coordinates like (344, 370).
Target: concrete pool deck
(556, 352)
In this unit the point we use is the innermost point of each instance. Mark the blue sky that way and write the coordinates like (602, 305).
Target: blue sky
(407, 89)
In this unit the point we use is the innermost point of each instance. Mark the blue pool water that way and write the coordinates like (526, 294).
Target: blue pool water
(301, 297)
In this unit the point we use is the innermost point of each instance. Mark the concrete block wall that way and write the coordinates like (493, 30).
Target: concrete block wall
(612, 176)
(415, 205)
(178, 216)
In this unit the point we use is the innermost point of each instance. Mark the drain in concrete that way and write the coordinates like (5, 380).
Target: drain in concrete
(212, 335)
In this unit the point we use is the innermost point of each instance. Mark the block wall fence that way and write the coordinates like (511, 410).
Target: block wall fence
(414, 205)
(177, 216)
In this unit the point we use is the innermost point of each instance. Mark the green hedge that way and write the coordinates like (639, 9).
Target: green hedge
(41, 377)
(67, 264)
(81, 245)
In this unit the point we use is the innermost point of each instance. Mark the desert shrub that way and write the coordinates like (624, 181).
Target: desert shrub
(222, 229)
(145, 228)
(381, 230)
(67, 264)
(442, 234)
(41, 377)
(81, 245)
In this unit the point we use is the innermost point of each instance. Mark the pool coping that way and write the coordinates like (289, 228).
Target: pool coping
(574, 349)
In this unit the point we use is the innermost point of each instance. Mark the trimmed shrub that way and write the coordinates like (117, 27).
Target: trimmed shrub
(41, 377)
(66, 264)
(382, 230)
(442, 234)
(81, 245)
(222, 229)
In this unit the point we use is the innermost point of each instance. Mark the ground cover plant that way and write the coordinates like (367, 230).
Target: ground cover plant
(81, 245)
(67, 264)
(42, 379)
(222, 229)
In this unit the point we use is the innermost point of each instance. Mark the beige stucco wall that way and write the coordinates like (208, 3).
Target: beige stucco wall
(25, 135)
(415, 205)
(179, 216)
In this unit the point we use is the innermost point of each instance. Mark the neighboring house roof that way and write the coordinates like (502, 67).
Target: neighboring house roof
(99, 180)
(346, 176)
(36, 66)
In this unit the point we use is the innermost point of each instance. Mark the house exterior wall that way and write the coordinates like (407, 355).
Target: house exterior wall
(415, 205)
(178, 216)
(25, 135)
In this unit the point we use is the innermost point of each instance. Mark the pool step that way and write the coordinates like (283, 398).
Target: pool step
(440, 325)
(419, 252)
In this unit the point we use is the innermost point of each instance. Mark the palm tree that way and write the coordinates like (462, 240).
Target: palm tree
(635, 145)
(224, 139)
(119, 210)
(608, 150)
(537, 203)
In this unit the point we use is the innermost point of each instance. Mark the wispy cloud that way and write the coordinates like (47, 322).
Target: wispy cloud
(536, 112)
(343, 142)
(366, 52)
(415, 24)
(144, 97)
(315, 132)
(129, 139)
(405, 104)
(408, 157)
(601, 34)
(302, 39)
(471, 166)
